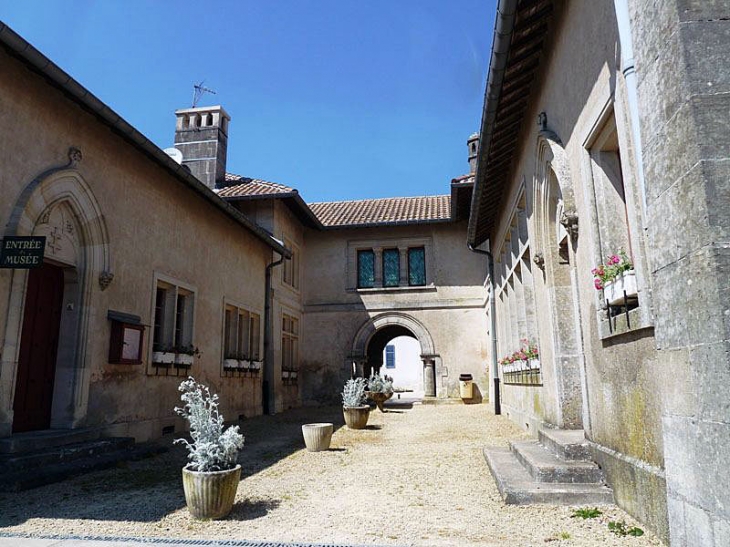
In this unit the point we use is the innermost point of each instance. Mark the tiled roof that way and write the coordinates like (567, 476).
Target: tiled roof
(368, 212)
(238, 186)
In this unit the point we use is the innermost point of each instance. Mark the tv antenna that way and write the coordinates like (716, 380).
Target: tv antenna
(199, 90)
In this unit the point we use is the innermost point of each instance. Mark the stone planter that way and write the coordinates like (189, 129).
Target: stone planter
(356, 417)
(614, 290)
(210, 495)
(379, 398)
(317, 437)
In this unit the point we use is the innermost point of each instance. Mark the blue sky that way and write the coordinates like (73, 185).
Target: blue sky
(342, 99)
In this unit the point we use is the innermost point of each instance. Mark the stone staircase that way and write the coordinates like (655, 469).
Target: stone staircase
(28, 460)
(555, 469)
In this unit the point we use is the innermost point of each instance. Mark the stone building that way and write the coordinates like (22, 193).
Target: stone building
(158, 266)
(604, 130)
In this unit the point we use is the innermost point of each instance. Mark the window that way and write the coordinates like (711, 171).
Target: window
(289, 347)
(391, 267)
(390, 356)
(290, 269)
(173, 318)
(417, 266)
(365, 269)
(242, 330)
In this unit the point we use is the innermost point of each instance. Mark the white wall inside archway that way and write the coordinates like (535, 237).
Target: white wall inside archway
(408, 371)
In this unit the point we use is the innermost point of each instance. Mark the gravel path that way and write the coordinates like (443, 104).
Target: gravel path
(415, 477)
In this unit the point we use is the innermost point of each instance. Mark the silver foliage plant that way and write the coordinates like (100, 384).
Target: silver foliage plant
(354, 393)
(212, 449)
(380, 384)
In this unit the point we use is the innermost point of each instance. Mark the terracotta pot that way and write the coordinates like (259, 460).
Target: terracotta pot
(210, 494)
(317, 437)
(356, 417)
(379, 398)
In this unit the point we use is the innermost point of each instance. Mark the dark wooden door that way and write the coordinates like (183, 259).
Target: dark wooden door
(38, 349)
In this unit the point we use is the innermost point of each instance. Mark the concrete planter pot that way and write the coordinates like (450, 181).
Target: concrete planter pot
(317, 437)
(210, 494)
(379, 398)
(356, 417)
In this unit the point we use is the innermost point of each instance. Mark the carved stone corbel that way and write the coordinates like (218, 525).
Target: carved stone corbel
(569, 220)
(539, 259)
(105, 279)
(74, 156)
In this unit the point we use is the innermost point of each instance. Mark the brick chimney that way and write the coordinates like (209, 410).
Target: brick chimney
(201, 134)
(473, 145)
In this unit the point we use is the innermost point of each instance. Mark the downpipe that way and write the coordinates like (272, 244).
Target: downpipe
(492, 326)
(268, 383)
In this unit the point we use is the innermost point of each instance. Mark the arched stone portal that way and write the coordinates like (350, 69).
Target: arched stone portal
(375, 333)
(60, 205)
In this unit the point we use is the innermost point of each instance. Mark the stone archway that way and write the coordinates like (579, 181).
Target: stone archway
(391, 324)
(60, 205)
(556, 235)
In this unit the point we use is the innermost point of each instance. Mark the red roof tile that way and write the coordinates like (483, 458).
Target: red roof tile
(368, 212)
(238, 186)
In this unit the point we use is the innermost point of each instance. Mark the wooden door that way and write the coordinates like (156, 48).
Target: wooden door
(38, 349)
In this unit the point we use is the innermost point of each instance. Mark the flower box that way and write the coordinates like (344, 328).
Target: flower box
(163, 358)
(256, 365)
(244, 364)
(230, 363)
(533, 364)
(184, 360)
(614, 290)
(293, 375)
(285, 374)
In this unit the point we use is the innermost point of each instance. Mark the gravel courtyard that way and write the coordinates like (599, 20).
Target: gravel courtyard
(416, 477)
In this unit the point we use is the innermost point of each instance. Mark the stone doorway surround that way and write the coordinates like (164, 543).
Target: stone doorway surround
(430, 358)
(59, 204)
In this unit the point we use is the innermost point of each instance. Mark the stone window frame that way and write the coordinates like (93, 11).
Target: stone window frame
(290, 369)
(292, 267)
(177, 286)
(378, 246)
(514, 289)
(640, 317)
(239, 309)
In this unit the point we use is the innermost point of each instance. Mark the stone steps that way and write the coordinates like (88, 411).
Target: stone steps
(544, 466)
(55, 463)
(569, 444)
(39, 440)
(539, 472)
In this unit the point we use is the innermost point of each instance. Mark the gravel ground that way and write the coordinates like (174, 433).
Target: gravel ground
(415, 477)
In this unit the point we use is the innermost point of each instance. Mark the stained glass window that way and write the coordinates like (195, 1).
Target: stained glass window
(417, 266)
(365, 269)
(389, 356)
(391, 267)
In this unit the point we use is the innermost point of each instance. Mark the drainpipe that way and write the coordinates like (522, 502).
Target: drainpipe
(492, 326)
(269, 390)
(629, 72)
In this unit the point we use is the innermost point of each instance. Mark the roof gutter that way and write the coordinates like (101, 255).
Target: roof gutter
(503, 29)
(39, 63)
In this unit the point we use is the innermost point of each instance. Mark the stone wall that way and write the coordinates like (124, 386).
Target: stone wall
(682, 48)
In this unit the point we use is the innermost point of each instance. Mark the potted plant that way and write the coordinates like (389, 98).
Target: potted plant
(210, 479)
(256, 365)
(353, 404)
(380, 389)
(162, 356)
(185, 355)
(616, 279)
(243, 361)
